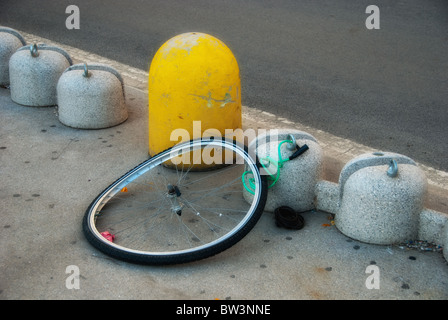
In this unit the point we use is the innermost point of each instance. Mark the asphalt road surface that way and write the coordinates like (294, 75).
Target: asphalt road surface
(314, 62)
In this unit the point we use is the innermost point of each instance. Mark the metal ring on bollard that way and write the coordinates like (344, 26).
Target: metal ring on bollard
(34, 51)
(86, 71)
(291, 146)
(393, 169)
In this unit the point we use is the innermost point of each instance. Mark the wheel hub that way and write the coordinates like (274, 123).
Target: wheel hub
(173, 194)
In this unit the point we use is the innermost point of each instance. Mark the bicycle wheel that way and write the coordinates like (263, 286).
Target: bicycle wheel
(166, 211)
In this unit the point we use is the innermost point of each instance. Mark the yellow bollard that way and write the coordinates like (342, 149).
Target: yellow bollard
(194, 91)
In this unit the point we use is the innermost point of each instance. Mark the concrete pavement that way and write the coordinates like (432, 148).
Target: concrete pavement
(50, 173)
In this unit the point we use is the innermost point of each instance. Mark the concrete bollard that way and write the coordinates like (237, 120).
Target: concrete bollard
(445, 241)
(91, 97)
(381, 198)
(295, 186)
(34, 72)
(10, 41)
(193, 77)
(431, 226)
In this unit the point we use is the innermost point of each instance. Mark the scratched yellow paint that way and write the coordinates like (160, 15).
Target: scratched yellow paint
(192, 77)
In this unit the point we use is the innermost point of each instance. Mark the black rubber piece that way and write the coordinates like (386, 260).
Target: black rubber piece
(299, 151)
(286, 217)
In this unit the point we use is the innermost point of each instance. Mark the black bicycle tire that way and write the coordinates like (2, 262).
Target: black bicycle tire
(175, 258)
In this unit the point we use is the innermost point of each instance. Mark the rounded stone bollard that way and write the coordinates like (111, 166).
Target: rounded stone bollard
(34, 72)
(381, 198)
(10, 41)
(297, 178)
(91, 97)
(193, 88)
(445, 241)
